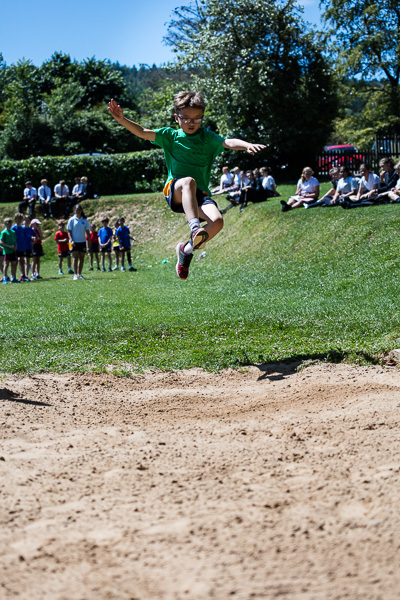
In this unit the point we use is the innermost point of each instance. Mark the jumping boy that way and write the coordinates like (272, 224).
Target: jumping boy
(189, 153)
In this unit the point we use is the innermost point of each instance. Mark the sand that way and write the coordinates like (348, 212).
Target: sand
(266, 483)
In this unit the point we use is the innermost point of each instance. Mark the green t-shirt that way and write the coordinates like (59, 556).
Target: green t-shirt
(10, 238)
(190, 155)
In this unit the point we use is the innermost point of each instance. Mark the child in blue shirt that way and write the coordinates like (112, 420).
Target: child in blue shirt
(30, 236)
(20, 251)
(124, 238)
(105, 236)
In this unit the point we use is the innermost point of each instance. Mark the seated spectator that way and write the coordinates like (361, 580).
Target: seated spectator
(346, 186)
(394, 194)
(29, 199)
(327, 199)
(87, 189)
(76, 190)
(44, 194)
(388, 179)
(253, 192)
(307, 191)
(226, 181)
(268, 182)
(62, 198)
(367, 189)
(234, 192)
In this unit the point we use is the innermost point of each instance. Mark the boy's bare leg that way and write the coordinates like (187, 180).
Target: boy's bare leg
(215, 221)
(185, 194)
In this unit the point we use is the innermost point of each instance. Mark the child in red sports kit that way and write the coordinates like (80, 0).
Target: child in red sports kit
(61, 237)
(189, 152)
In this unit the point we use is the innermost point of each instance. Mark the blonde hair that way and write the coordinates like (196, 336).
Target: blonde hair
(304, 171)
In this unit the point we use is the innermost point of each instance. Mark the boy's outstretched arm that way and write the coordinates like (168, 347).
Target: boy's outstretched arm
(233, 144)
(118, 114)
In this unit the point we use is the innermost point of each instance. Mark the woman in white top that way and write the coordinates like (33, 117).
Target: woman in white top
(346, 187)
(394, 193)
(268, 182)
(307, 191)
(369, 184)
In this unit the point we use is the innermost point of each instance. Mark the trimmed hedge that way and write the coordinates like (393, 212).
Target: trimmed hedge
(111, 174)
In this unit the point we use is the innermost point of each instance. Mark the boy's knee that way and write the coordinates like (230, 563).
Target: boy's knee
(189, 182)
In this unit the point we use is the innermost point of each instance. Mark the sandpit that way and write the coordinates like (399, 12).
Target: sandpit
(266, 483)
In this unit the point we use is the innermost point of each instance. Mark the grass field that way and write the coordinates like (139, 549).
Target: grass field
(309, 284)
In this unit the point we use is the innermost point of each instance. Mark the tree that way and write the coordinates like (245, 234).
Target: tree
(365, 37)
(263, 73)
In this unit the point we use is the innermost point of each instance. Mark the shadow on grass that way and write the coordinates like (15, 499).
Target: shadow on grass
(276, 371)
(13, 397)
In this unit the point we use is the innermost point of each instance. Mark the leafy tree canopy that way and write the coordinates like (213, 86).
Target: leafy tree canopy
(264, 76)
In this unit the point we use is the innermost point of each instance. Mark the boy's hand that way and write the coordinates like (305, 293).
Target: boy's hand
(115, 110)
(254, 148)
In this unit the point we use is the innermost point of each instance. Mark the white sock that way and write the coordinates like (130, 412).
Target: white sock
(188, 248)
(194, 224)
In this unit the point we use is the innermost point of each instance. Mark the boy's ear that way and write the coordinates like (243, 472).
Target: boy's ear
(176, 118)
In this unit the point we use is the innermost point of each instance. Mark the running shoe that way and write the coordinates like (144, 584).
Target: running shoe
(103, 270)
(184, 260)
(115, 268)
(70, 271)
(199, 237)
(6, 280)
(38, 276)
(123, 269)
(75, 277)
(14, 280)
(60, 272)
(90, 268)
(109, 269)
(81, 277)
(132, 268)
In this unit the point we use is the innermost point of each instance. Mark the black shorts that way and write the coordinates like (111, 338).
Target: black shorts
(11, 257)
(64, 253)
(28, 253)
(116, 249)
(105, 249)
(37, 250)
(79, 247)
(20, 253)
(202, 197)
(94, 247)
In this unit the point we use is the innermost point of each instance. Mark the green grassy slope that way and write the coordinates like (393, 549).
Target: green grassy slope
(320, 283)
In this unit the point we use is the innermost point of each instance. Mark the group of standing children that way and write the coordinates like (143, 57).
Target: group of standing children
(22, 246)
(98, 243)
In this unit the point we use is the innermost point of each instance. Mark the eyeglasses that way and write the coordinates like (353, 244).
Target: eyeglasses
(187, 121)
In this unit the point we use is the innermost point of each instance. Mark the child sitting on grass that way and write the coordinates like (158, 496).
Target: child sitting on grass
(189, 152)
(8, 241)
(105, 237)
(62, 238)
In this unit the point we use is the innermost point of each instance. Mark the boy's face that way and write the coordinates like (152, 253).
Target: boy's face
(8, 225)
(104, 223)
(19, 221)
(189, 113)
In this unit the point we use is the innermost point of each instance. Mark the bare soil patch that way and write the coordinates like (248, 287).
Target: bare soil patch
(261, 484)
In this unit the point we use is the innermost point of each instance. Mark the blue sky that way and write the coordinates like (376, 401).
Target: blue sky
(129, 32)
